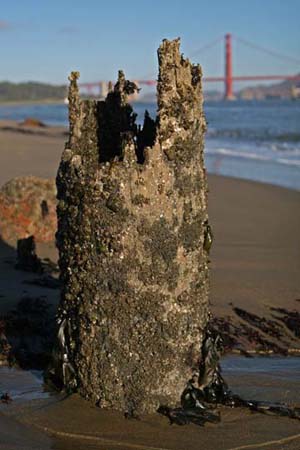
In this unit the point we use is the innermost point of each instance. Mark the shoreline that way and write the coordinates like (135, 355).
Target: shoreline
(10, 130)
(254, 182)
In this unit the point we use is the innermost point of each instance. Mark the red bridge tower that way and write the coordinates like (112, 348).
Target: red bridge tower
(228, 68)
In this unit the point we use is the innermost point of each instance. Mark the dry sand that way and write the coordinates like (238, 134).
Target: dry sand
(255, 263)
(256, 252)
(29, 151)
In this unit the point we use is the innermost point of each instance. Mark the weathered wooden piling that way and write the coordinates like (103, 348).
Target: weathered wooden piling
(132, 221)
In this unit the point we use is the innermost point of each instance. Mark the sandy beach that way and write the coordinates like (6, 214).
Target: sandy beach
(255, 263)
(255, 257)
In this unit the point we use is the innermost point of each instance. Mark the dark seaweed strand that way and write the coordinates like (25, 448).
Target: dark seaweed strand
(208, 389)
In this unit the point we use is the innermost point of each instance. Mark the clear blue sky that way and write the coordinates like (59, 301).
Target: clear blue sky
(45, 40)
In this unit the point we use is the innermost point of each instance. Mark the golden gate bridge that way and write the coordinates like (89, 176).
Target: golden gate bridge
(228, 78)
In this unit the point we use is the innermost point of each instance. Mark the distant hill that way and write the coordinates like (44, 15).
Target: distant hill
(34, 91)
(284, 89)
(213, 95)
(30, 91)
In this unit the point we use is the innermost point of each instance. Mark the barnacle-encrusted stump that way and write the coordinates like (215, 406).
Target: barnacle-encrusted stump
(132, 221)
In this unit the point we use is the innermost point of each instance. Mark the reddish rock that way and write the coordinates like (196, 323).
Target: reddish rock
(28, 207)
(32, 122)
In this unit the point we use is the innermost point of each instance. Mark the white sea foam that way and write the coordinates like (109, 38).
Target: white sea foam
(226, 152)
(289, 162)
(237, 154)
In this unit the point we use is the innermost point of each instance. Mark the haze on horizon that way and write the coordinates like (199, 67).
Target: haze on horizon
(45, 41)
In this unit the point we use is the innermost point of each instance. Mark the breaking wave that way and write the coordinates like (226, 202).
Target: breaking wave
(225, 152)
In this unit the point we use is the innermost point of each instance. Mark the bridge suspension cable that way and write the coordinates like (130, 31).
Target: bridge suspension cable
(207, 46)
(266, 50)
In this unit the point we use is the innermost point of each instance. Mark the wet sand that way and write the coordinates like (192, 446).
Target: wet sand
(255, 264)
(74, 424)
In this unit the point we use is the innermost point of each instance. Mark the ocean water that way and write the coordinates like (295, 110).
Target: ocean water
(266, 378)
(255, 140)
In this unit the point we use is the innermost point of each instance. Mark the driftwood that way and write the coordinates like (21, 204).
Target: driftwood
(133, 238)
(27, 258)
